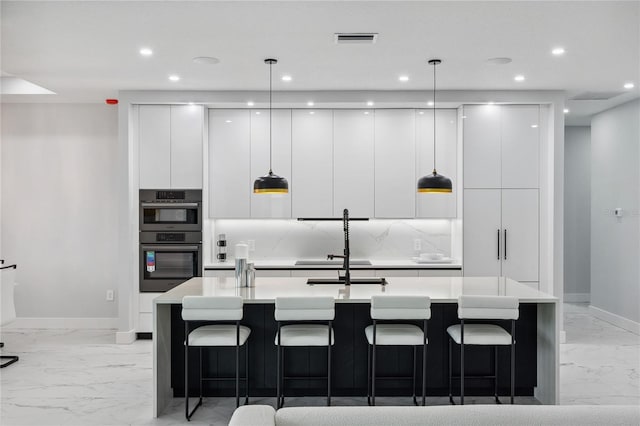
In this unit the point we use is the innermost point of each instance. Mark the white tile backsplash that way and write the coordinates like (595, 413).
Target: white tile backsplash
(373, 239)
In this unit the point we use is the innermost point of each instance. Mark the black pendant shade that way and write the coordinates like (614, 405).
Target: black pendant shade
(270, 183)
(434, 183)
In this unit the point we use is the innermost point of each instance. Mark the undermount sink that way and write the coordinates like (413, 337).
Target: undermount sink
(313, 281)
(323, 262)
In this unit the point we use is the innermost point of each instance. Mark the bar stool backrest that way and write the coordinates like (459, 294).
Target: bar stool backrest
(305, 308)
(212, 308)
(488, 307)
(400, 307)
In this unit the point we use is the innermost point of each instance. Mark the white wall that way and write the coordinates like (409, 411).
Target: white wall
(59, 223)
(615, 242)
(577, 214)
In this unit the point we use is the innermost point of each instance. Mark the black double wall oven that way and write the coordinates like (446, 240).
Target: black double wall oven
(170, 238)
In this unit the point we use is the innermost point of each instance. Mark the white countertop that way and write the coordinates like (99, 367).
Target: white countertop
(440, 289)
(375, 264)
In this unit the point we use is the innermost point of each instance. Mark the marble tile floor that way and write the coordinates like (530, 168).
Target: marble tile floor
(81, 377)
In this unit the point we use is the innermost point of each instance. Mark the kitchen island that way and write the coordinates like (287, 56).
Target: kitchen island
(536, 335)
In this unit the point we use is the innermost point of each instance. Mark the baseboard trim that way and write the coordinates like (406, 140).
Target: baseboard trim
(615, 319)
(58, 323)
(125, 337)
(577, 297)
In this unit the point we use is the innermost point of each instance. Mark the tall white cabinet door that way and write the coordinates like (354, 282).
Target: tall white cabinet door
(311, 182)
(186, 146)
(229, 172)
(520, 146)
(154, 136)
(436, 205)
(482, 232)
(395, 175)
(481, 135)
(520, 234)
(353, 159)
(271, 205)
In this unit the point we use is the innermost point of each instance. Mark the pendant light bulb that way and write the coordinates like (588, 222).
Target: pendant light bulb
(270, 183)
(434, 183)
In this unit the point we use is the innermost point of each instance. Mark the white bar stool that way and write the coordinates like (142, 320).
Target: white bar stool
(397, 308)
(309, 324)
(484, 308)
(228, 311)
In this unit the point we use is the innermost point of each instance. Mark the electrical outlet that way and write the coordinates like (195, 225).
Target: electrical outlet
(110, 295)
(252, 245)
(417, 244)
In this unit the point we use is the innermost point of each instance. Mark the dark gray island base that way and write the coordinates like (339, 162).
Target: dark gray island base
(536, 341)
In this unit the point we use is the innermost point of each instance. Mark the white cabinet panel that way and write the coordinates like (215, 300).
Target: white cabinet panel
(395, 176)
(311, 182)
(186, 146)
(481, 232)
(353, 162)
(520, 234)
(154, 136)
(272, 205)
(481, 135)
(520, 146)
(435, 205)
(229, 172)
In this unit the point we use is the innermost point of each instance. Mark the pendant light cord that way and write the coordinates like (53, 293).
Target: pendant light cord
(270, 120)
(434, 118)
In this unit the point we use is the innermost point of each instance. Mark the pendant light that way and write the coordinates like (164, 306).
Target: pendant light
(270, 183)
(434, 182)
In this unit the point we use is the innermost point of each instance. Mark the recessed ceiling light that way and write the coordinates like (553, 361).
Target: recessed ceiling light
(145, 51)
(174, 77)
(206, 60)
(464, 116)
(286, 78)
(366, 113)
(250, 103)
(403, 78)
(519, 78)
(558, 51)
(499, 61)
(534, 126)
(566, 110)
(227, 121)
(312, 112)
(430, 103)
(629, 85)
(310, 103)
(257, 112)
(491, 103)
(370, 103)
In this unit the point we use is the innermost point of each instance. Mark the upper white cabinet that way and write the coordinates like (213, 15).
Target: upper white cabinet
(229, 168)
(501, 146)
(395, 174)
(353, 162)
(311, 182)
(436, 205)
(272, 205)
(170, 142)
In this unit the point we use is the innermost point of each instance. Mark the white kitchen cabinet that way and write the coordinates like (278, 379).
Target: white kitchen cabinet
(500, 232)
(186, 146)
(436, 205)
(170, 143)
(271, 205)
(353, 162)
(229, 165)
(154, 137)
(395, 174)
(311, 183)
(501, 146)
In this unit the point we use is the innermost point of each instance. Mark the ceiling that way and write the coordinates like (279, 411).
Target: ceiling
(86, 51)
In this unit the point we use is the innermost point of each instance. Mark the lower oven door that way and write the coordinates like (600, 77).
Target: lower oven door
(164, 266)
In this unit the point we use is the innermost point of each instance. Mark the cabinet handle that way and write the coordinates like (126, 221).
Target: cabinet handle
(498, 244)
(505, 244)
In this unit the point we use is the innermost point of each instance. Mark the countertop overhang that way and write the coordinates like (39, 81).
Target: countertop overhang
(289, 264)
(439, 289)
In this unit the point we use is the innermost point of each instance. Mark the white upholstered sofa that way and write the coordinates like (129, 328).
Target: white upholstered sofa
(475, 415)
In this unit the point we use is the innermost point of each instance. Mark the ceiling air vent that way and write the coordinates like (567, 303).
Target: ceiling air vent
(596, 96)
(359, 38)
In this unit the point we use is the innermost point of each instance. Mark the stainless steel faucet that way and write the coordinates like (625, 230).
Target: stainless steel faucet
(346, 255)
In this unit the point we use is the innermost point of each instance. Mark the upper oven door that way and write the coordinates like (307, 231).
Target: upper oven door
(170, 216)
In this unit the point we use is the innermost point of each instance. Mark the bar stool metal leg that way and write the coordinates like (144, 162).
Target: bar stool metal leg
(329, 368)
(373, 367)
(513, 359)
(450, 375)
(413, 382)
(246, 372)
(462, 362)
(368, 374)
(424, 365)
(495, 374)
